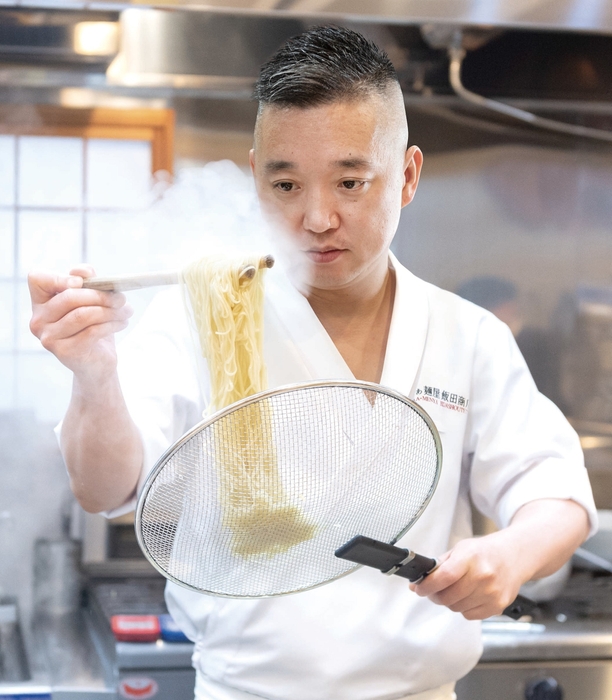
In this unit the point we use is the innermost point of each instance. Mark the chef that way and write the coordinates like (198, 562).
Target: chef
(332, 170)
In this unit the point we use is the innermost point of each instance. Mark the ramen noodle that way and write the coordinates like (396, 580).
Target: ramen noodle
(228, 315)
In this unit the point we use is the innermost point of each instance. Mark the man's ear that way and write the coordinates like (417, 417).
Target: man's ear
(252, 160)
(413, 162)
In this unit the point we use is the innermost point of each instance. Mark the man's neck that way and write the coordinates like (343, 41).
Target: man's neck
(358, 321)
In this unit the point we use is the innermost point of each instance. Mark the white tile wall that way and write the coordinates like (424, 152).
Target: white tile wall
(50, 171)
(7, 242)
(118, 173)
(49, 240)
(7, 170)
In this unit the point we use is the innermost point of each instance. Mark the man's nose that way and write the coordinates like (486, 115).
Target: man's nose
(320, 213)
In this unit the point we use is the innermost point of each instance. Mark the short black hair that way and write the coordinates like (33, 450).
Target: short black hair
(323, 65)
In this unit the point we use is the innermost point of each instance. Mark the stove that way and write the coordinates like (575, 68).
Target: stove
(564, 652)
(160, 669)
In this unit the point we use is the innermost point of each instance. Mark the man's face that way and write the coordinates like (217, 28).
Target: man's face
(334, 179)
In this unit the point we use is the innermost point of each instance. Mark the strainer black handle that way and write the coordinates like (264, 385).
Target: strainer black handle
(404, 562)
(387, 558)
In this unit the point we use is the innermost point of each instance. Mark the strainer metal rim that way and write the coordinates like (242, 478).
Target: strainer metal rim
(285, 389)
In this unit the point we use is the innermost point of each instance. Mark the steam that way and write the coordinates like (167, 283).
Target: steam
(207, 210)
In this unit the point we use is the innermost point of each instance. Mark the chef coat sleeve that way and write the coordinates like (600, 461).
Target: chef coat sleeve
(520, 445)
(163, 379)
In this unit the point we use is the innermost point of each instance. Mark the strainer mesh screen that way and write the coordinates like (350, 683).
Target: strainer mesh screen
(256, 503)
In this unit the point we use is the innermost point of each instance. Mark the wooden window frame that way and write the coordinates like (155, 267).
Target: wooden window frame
(153, 125)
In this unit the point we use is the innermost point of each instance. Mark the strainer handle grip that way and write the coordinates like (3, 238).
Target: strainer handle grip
(387, 558)
(390, 559)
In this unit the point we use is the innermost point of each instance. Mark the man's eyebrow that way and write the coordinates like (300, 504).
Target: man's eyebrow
(275, 166)
(352, 163)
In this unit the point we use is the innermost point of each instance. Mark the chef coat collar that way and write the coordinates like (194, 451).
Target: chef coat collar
(407, 332)
(298, 348)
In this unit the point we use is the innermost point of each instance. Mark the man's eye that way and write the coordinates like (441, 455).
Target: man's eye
(350, 184)
(284, 186)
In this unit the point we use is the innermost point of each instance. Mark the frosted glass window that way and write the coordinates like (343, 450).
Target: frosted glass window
(7, 381)
(26, 340)
(118, 173)
(139, 300)
(6, 315)
(117, 243)
(43, 385)
(7, 238)
(49, 240)
(7, 170)
(50, 171)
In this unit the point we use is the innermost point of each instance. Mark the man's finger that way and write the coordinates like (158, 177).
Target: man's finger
(83, 270)
(90, 335)
(44, 285)
(62, 305)
(82, 317)
(447, 573)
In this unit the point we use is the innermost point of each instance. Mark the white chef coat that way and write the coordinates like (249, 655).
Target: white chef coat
(365, 636)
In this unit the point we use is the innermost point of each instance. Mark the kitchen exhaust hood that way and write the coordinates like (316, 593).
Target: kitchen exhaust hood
(533, 53)
(562, 15)
(58, 37)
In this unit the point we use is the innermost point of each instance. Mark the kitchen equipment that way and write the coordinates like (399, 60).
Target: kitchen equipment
(330, 460)
(161, 668)
(13, 661)
(548, 587)
(584, 556)
(601, 542)
(135, 628)
(57, 577)
(566, 652)
(125, 283)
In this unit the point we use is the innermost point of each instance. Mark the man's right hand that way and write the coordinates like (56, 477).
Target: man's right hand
(101, 445)
(77, 325)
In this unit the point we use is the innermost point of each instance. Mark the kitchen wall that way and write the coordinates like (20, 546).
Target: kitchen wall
(540, 217)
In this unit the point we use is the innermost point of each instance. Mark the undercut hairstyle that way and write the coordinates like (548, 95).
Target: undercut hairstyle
(323, 65)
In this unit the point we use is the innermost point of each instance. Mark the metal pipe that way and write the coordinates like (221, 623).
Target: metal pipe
(456, 54)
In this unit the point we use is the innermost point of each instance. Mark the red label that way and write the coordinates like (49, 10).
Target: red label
(138, 687)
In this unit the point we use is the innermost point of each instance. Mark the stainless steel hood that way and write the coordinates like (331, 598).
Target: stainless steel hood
(55, 36)
(561, 15)
(533, 53)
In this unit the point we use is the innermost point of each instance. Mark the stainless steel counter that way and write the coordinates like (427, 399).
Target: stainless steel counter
(74, 656)
(570, 660)
(552, 640)
(63, 662)
(565, 653)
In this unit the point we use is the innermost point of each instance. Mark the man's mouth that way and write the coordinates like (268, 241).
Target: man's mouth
(324, 256)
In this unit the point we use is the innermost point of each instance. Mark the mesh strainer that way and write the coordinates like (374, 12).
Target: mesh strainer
(255, 500)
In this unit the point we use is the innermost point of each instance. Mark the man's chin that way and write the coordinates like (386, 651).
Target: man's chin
(328, 282)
